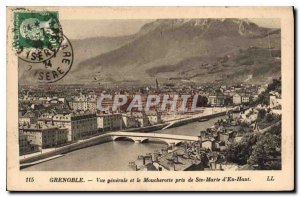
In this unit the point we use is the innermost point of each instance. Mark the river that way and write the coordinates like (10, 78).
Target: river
(116, 155)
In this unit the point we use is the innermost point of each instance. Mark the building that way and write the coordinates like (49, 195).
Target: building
(154, 117)
(129, 121)
(245, 98)
(275, 101)
(83, 103)
(220, 145)
(241, 98)
(236, 99)
(45, 136)
(216, 100)
(24, 120)
(254, 97)
(45, 118)
(25, 146)
(229, 93)
(55, 100)
(28, 117)
(208, 144)
(79, 125)
(261, 90)
(142, 118)
(108, 122)
(225, 137)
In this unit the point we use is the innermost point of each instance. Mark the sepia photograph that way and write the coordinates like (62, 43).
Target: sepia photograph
(114, 106)
(138, 94)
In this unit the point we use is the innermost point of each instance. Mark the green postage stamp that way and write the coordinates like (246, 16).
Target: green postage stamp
(37, 35)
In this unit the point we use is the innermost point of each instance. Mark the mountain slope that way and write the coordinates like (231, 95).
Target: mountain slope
(179, 49)
(83, 49)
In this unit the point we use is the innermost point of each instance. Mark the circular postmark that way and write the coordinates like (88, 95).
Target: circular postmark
(53, 69)
(37, 35)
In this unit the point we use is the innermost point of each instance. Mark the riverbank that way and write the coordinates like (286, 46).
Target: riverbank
(24, 165)
(68, 148)
(103, 138)
(195, 118)
(87, 142)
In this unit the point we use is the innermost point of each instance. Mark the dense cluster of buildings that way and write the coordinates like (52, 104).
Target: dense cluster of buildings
(209, 152)
(275, 100)
(54, 117)
(45, 125)
(234, 95)
(205, 154)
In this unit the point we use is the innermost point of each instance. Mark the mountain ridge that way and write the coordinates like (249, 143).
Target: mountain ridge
(163, 48)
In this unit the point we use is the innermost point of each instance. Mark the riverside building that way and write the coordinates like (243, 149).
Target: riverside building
(79, 125)
(44, 136)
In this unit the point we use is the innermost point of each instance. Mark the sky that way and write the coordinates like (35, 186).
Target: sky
(80, 29)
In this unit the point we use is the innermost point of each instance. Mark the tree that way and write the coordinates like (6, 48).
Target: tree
(261, 114)
(259, 151)
(228, 101)
(266, 154)
(269, 117)
(201, 101)
(275, 85)
(239, 152)
(275, 130)
(264, 97)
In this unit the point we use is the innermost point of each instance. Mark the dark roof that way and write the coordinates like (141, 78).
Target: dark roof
(151, 167)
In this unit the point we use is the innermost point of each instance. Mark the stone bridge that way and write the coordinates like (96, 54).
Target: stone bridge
(144, 137)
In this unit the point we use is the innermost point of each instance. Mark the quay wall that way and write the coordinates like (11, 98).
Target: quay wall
(146, 129)
(214, 115)
(68, 148)
(194, 119)
(86, 143)
(107, 138)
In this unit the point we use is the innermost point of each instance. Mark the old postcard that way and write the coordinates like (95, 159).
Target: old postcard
(150, 99)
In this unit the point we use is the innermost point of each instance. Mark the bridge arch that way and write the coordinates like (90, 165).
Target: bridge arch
(157, 140)
(152, 137)
(123, 138)
(178, 143)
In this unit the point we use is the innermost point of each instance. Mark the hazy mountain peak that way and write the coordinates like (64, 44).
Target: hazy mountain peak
(200, 50)
(207, 27)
